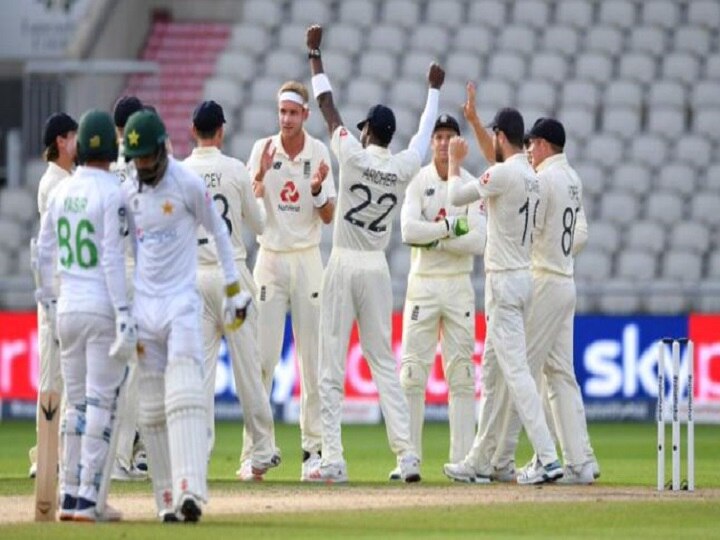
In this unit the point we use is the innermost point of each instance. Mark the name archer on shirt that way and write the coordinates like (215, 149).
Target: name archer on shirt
(380, 177)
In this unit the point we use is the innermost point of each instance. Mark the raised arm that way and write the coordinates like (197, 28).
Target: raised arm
(421, 140)
(460, 194)
(483, 138)
(320, 82)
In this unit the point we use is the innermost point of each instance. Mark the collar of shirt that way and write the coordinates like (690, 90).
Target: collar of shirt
(378, 150)
(305, 153)
(516, 157)
(205, 151)
(552, 160)
(57, 170)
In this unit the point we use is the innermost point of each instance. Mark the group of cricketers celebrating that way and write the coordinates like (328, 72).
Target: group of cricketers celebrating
(141, 269)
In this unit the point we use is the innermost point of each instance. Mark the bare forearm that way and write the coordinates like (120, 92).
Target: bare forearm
(327, 211)
(325, 99)
(484, 141)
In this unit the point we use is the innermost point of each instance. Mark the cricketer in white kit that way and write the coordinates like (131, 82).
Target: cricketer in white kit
(511, 190)
(356, 284)
(228, 182)
(288, 269)
(85, 226)
(59, 136)
(167, 202)
(440, 300)
(550, 323)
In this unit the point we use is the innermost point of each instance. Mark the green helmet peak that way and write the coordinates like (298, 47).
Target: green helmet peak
(144, 134)
(96, 140)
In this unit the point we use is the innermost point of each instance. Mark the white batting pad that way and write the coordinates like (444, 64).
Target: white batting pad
(72, 429)
(187, 427)
(98, 430)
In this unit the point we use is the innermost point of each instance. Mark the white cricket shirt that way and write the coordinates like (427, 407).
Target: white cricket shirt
(52, 177)
(292, 221)
(228, 182)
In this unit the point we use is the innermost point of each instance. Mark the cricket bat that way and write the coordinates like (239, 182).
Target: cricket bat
(46, 496)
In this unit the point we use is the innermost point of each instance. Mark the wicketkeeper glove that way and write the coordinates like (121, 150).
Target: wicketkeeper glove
(235, 306)
(126, 336)
(429, 245)
(457, 225)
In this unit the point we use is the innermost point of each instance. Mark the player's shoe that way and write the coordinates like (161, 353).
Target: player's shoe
(67, 508)
(86, 512)
(504, 474)
(122, 473)
(578, 475)
(595, 468)
(329, 473)
(169, 516)
(140, 461)
(537, 473)
(464, 472)
(245, 472)
(190, 508)
(395, 474)
(409, 468)
(311, 461)
(32, 454)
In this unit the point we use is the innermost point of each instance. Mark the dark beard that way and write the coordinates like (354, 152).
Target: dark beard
(152, 175)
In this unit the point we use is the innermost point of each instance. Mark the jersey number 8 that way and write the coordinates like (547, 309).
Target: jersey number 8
(84, 249)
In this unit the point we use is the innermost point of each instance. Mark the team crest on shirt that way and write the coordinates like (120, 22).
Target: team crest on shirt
(574, 193)
(289, 195)
(306, 168)
(441, 215)
(277, 165)
(485, 178)
(429, 192)
(168, 207)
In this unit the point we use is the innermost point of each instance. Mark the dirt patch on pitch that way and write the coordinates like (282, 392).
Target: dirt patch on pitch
(268, 498)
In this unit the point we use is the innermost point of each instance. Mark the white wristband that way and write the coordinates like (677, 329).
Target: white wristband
(320, 84)
(321, 198)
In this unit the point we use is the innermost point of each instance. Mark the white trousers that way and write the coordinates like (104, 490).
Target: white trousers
(440, 307)
(92, 383)
(291, 281)
(550, 357)
(356, 286)
(505, 371)
(258, 440)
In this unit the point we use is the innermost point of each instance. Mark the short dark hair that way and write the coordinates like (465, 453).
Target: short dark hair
(51, 153)
(207, 134)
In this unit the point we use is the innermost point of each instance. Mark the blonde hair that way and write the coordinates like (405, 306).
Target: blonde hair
(297, 87)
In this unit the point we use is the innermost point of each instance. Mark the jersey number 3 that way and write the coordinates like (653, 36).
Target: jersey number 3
(375, 225)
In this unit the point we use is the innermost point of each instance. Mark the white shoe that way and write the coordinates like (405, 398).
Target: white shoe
(537, 473)
(409, 468)
(32, 454)
(311, 462)
(504, 474)
(246, 473)
(595, 468)
(579, 475)
(123, 473)
(33, 470)
(395, 474)
(140, 461)
(86, 512)
(190, 508)
(464, 472)
(329, 473)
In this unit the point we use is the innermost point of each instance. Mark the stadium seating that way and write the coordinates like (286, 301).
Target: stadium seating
(637, 85)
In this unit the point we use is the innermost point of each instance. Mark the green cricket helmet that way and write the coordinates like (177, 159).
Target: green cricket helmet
(144, 134)
(96, 139)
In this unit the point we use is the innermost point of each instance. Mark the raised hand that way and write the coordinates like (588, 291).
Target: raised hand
(436, 75)
(313, 36)
(457, 149)
(319, 177)
(266, 160)
(469, 108)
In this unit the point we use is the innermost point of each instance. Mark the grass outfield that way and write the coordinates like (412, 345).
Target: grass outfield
(622, 505)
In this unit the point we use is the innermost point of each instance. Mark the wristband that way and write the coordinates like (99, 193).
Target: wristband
(320, 199)
(313, 53)
(231, 289)
(320, 84)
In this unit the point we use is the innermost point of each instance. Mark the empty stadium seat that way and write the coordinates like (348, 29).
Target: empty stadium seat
(357, 12)
(603, 149)
(262, 13)
(707, 298)
(387, 38)
(636, 265)
(622, 121)
(624, 92)
(594, 67)
(448, 13)
(403, 13)
(649, 149)
(680, 265)
(378, 65)
(345, 38)
(593, 265)
(662, 13)
(409, 91)
(632, 178)
(707, 122)
(365, 93)
(704, 13)
(532, 13)
(535, 94)
(682, 67)
(464, 65)
(310, 12)
(226, 92)
(430, 38)
(339, 65)
(286, 64)
(264, 90)
(260, 120)
(235, 65)
(550, 66)
(691, 39)
(638, 67)
(475, 39)
(690, 236)
(578, 14)
(18, 204)
(292, 37)
(453, 95)
(678, 177)
(665, 297)
(13, 234)
(490, 13)
(666, 94)
(618, 207)
(249, 37)
(605, 40)
(647, 39)
(714, 265)
(518, 39)
(695, 150)
(580, 92)
(592, 176)
(579, 122)
(620, 297)
(416, 64)
(666, 121)
(711, 181)
(705, 208)
(241, 145)
(664, 207)
(646, 236)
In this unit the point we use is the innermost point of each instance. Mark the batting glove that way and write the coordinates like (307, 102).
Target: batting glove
(49, 305)
(126, 336)
(235, 306)
(457, 226)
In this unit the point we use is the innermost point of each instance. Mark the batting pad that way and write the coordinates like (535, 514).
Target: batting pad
(187, 427)
(95, 442)
(72, 430)
(153, 426)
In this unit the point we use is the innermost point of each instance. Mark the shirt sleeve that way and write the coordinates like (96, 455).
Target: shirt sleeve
(462, 193)
(344, 144)
(581, 232)
(420, 142)
(492, 182)
(414, 227)
(252, 212)
(253, 162)
(113, 263)
(206, 214)
(329, 182)
(472, 243)
(47, 248)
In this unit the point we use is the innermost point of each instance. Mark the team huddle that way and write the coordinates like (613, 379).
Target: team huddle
(141, 269)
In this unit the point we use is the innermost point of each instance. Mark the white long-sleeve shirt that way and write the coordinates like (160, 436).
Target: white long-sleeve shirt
(564, 232)
(422, 219)
(229, 184)
(511, 190)
(292, 222)
(82, 235)
(164, 221)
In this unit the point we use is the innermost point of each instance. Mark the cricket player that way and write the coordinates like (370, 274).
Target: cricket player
(356, 284)
(85, 227)
(288, 269)
(59, 135)
(512, 193)
(228, 182)
(130, 458)
(167, 202)
(440, 298)
(550, 323)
